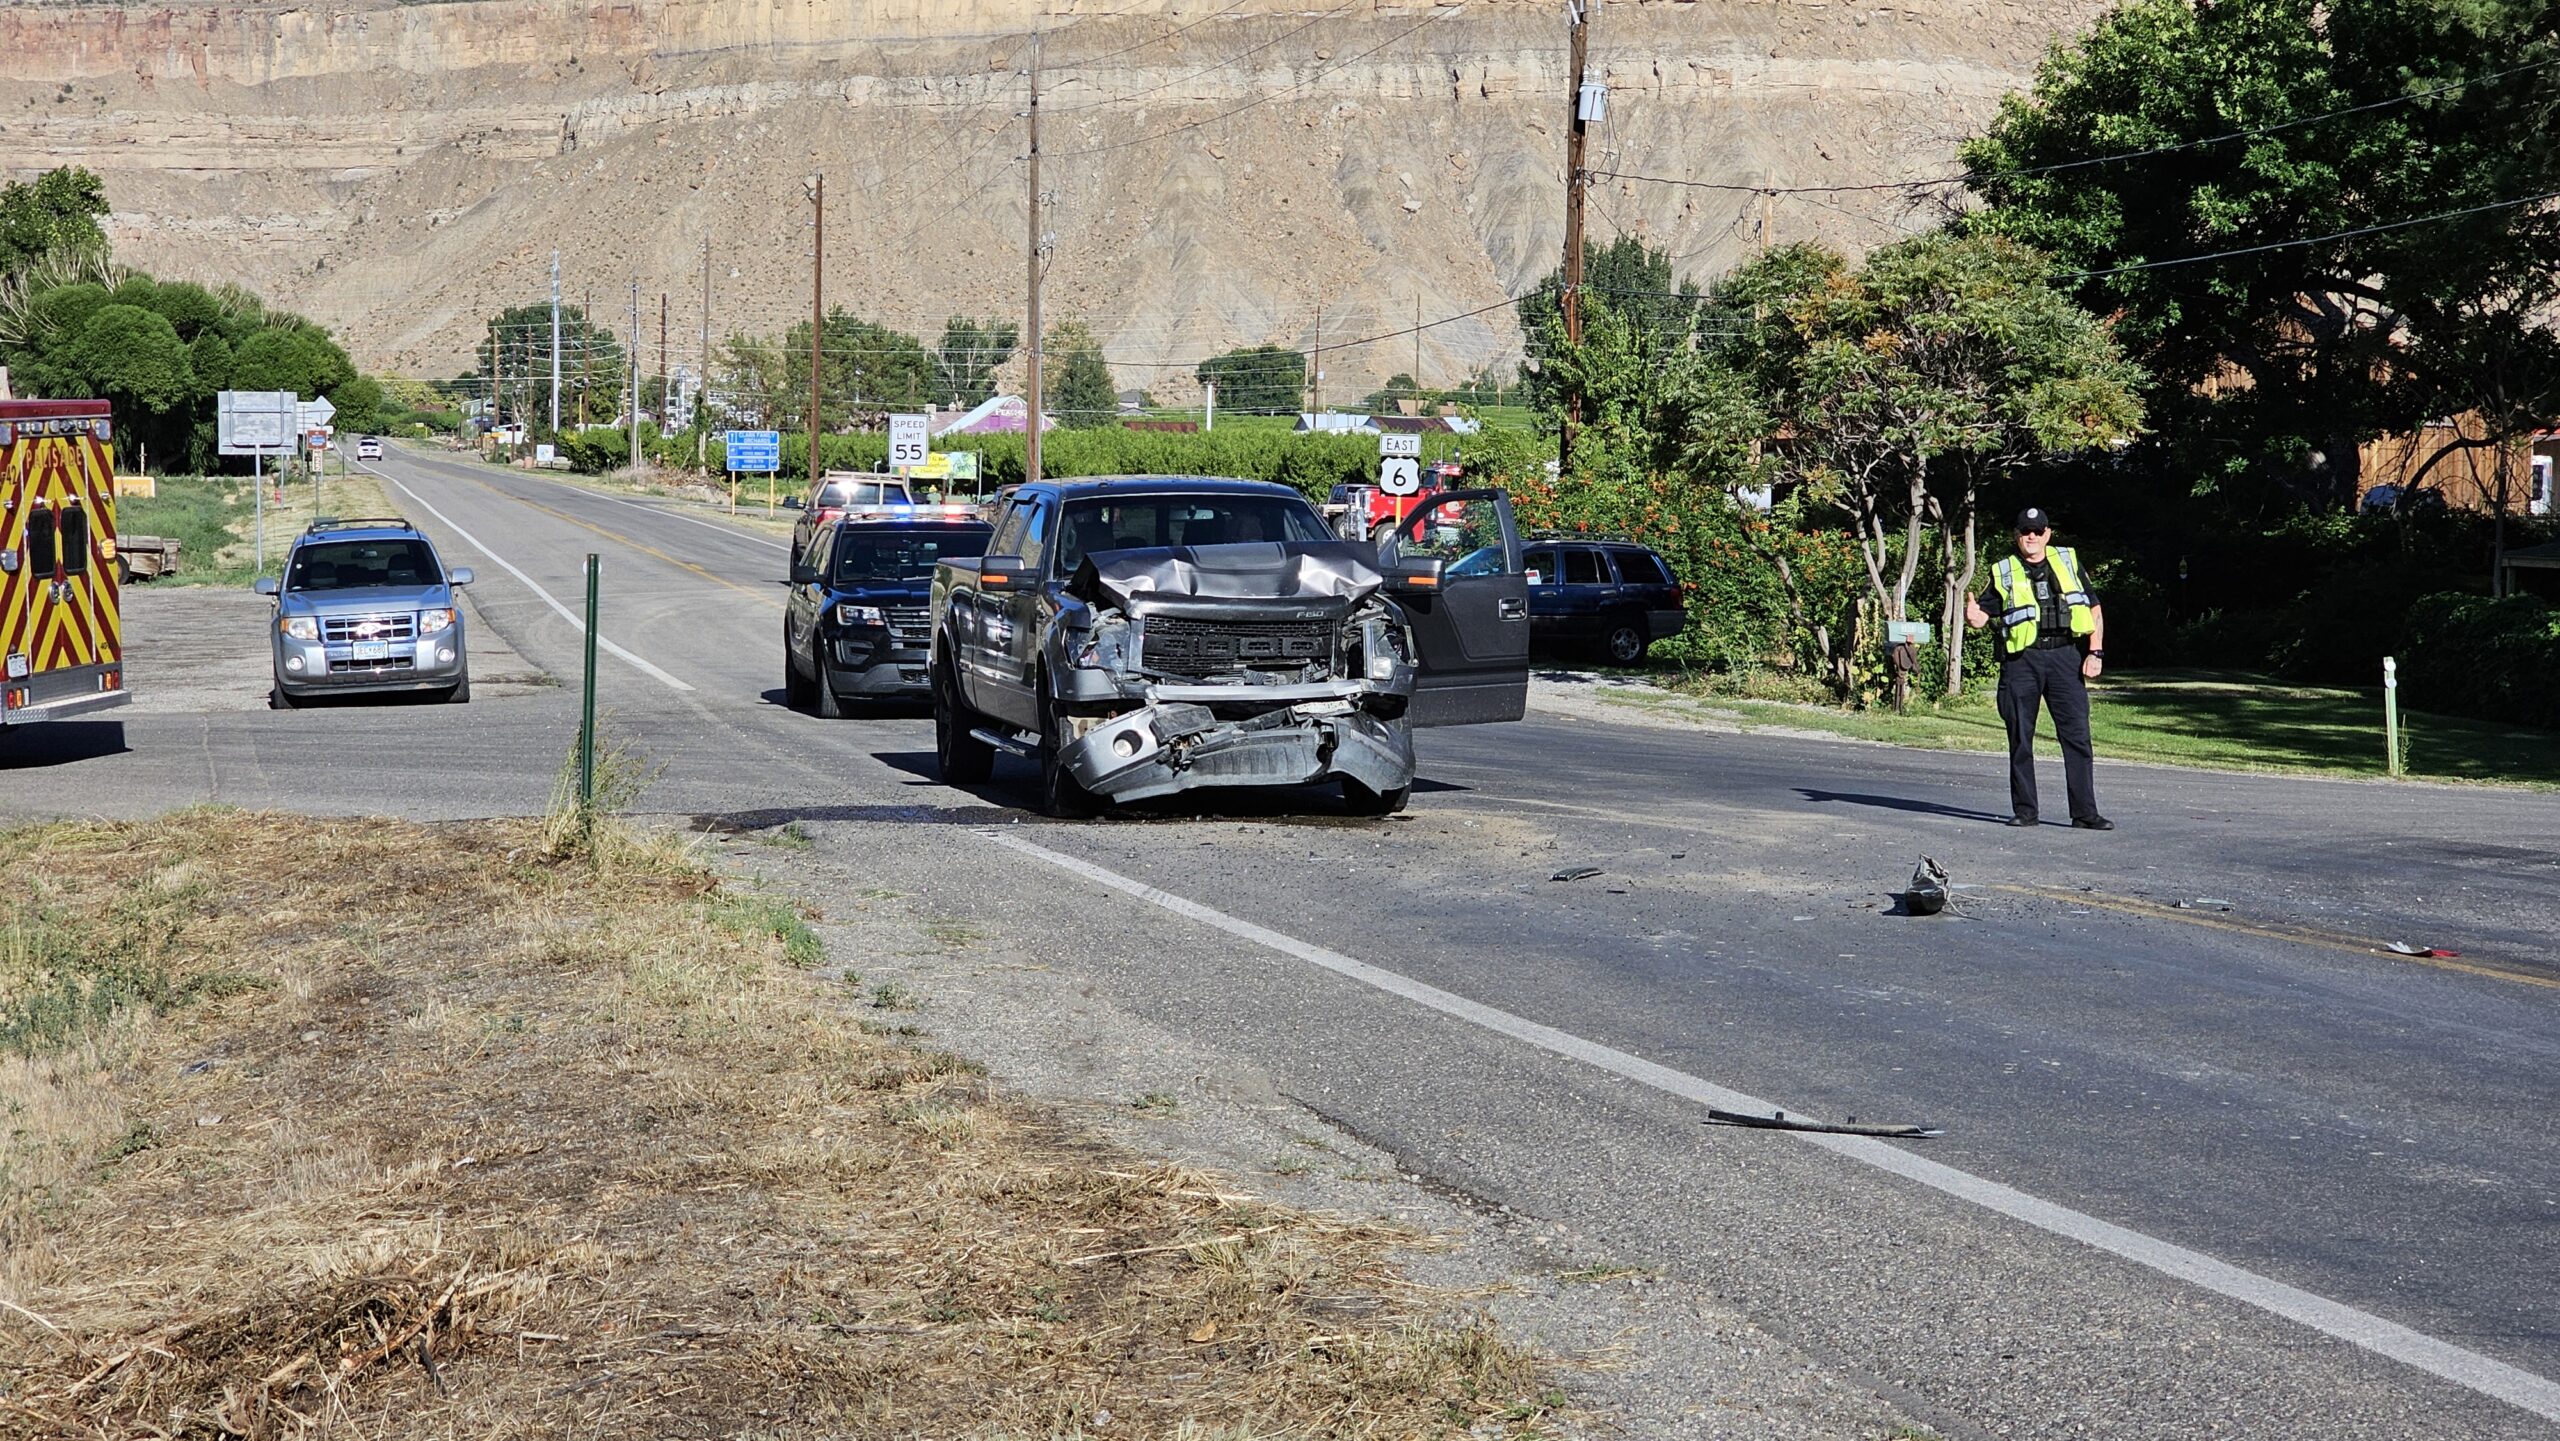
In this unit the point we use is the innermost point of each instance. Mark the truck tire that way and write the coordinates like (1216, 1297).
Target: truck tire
(1362, 801)
(281, 699)
(1062, 796)
(460, 694)
(965, 760)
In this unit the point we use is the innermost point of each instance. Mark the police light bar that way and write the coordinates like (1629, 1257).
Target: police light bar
(912, 512)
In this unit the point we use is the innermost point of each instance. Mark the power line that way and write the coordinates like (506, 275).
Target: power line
(2361, 230)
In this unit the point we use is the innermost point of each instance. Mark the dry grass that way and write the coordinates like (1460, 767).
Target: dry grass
(341, 1128)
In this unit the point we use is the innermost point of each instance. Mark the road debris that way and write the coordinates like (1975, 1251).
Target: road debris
(1781, 1121)
(1928, 892)
(1575, 873)
(2403, 948)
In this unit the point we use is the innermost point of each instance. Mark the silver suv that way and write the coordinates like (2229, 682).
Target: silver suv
(366, 605)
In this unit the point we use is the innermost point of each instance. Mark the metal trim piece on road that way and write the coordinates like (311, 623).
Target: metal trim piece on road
(2465, 1368)
(501, 561)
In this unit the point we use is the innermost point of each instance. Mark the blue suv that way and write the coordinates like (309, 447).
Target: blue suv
(1614, 597)
(366, 605)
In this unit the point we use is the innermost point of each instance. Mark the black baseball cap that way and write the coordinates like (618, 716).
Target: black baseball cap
(2033, 518)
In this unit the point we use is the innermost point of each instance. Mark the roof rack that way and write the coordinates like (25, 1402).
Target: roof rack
(1591, 535)
(358, 522)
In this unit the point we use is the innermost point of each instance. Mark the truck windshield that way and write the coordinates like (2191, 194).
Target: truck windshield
(1109, 523)
(356, 564)
(905, 552)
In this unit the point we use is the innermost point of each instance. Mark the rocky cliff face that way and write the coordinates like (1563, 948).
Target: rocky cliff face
(1221, 172)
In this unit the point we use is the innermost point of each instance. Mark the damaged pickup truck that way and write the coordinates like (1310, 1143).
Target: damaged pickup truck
(1139, 636)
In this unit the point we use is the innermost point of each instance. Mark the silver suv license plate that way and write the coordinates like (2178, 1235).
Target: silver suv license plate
(373, 650)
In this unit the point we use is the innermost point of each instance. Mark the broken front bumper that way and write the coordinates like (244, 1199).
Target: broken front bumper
(1177, 745)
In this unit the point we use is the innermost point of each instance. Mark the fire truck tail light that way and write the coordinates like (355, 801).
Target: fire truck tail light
(112, 680)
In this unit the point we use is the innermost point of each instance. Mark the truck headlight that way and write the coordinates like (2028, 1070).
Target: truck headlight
(849, 616)
(299, 627)
(1382, 667)
(431, 621)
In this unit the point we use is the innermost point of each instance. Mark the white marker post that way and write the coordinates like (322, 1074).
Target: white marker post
(2391, 714)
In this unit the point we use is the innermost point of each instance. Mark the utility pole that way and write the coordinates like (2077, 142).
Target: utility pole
(1031, 386)
(586, 350)
(702, 383)
(555, 342)
(1417, 352)
(635, 372)
(1576, 183)
(1315, 373)
(493, 375)
(816, 186)
(665, 384)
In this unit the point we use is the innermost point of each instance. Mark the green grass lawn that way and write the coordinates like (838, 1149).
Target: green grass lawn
(2198, 718)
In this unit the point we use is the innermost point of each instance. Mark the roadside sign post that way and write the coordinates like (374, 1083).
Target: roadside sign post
(1400, 469)
(257, 424)
(908, 445)
(587, 719)
(751, 451)
(2391, 715)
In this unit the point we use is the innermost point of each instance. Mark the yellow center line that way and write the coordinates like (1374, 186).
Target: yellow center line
(641, 546)
(2300, 935)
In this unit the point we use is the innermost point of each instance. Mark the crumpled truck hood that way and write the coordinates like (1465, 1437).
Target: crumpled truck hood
(1261, 580)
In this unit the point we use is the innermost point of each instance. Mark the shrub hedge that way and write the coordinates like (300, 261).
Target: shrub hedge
(2494, 659)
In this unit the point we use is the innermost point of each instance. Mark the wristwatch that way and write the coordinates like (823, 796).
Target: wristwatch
(2097, 655)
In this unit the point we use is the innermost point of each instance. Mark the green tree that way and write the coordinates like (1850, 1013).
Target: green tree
(1075, 380)
(1634, 280)
(1904, 385)
(513, 361)
(54, 214)
(133, 358)
(2174, 131)
(870, 370)
(1257, 380)
(966, 360)
(1389, 398)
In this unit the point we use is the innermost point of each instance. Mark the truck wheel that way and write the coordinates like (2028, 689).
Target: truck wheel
(460, 694)
(1362, 801)
(1061, 794)
(1624, 642)
(281, 699)
(965, 759)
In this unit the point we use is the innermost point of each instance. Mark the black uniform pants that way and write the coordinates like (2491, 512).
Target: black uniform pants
(2050, 676)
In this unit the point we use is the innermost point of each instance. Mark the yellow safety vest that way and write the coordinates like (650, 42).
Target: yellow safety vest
(2009, 577)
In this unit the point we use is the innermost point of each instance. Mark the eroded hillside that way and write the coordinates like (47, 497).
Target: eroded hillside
(1221, 170)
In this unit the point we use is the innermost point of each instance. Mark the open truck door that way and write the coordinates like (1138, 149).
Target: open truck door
(1453, 563)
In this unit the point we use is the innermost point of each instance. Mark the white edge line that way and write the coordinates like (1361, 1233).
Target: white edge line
(501, 562)
(2468, 1369)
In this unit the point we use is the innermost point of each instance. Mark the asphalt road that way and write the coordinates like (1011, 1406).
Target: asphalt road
(2212, 1164)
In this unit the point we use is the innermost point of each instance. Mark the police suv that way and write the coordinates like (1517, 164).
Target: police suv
(856, 626)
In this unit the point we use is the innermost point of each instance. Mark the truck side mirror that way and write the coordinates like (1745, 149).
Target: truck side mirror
(1002, 572)
(266, 585)
(1419, 572)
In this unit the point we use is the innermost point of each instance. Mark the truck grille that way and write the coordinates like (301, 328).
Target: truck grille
(910, 624)
(1194, 647)
(341, 629)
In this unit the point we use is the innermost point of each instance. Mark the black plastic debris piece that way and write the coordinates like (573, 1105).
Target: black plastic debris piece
(1928, 893)
(1781, 1121)
(1575, 873)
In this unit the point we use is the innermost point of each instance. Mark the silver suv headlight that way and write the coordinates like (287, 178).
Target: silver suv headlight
(299, 627)
(432, 621)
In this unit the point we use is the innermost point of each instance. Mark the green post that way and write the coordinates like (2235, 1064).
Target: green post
(587, 722)
(2391, 713)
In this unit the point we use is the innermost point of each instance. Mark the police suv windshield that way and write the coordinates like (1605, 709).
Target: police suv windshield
(1110, 523)
(903, 552)
(358, 564)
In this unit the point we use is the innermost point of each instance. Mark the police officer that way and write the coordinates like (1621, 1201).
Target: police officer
(2052, 638)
